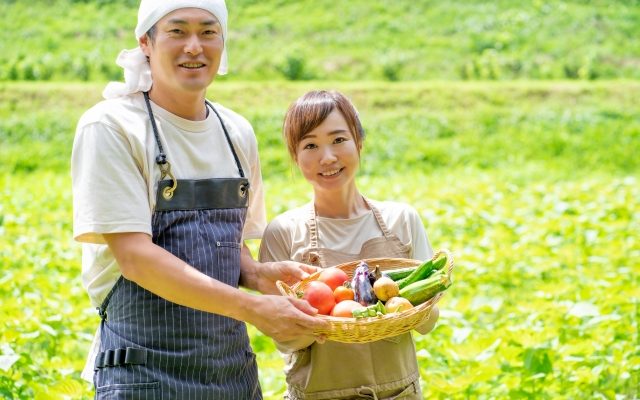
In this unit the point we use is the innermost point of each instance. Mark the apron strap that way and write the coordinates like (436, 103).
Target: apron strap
(313, 227)
(226, 134)
(315, 255)
(161, 158)
(378, 216)
(102, 310)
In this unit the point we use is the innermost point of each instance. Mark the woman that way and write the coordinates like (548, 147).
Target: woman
(324, 137)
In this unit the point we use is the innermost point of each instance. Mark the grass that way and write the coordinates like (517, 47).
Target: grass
(401, 40)
(532, 185)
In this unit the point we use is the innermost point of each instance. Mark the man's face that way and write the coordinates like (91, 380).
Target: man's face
(185, 53)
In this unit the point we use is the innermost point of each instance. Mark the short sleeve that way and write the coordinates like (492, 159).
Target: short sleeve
(109, 190)
(421, 246)
(276, 243)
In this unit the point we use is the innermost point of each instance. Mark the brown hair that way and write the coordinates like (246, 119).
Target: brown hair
(311, 109)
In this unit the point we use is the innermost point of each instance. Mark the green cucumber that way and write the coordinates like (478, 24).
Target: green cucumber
(421, 291)
(397, 274)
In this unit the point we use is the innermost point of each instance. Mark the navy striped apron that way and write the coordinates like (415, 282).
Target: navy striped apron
(152, 348)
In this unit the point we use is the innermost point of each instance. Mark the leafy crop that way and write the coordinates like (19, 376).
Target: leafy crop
(400, 40)
(533, 186)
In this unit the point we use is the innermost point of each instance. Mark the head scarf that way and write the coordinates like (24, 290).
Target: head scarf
(137, 73)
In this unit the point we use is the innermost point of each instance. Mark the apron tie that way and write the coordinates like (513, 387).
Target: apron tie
(366, 392)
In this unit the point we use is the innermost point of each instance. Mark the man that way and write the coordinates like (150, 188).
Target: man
(166, 187)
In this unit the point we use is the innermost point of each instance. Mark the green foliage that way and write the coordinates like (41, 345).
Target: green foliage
(533, 186)
(430, 126)
(400, 40)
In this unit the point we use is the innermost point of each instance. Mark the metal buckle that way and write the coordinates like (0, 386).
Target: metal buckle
(165, 170)
(243, 190)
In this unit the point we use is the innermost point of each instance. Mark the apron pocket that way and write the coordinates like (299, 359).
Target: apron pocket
(129, 391)
(234, 245)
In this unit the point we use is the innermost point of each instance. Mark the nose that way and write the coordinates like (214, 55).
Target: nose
(327, 156)
(193, 46)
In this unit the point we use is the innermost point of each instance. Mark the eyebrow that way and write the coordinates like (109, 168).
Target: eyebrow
(178, 21)
(334, 132)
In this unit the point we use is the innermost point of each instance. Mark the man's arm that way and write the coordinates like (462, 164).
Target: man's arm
(162, 273)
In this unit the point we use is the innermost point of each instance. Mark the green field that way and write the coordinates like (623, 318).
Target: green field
(399, 40)
(533, 186)
(512, 127)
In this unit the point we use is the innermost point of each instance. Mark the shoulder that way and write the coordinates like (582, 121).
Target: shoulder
(236, 120)
(289, 220)
(289, 224)
(395, 210)
(115, 113)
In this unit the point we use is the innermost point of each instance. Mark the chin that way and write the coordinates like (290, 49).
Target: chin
(195, 86)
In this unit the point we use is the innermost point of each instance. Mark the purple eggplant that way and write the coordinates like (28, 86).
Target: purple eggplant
(361, 285)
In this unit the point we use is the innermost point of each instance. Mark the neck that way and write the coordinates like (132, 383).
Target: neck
(188, 105)
(343, 205)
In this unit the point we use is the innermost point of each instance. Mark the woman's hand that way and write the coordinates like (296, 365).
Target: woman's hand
(289, 272)
(427, 325)
(263, 276)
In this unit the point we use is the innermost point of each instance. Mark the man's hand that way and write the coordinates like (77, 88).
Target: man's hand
(284, 318)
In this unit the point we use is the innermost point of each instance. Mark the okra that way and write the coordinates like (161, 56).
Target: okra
(423, 271)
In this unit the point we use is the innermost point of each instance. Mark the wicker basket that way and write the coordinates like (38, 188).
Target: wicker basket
(363, 330)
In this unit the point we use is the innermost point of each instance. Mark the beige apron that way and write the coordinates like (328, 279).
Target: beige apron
(385, 369)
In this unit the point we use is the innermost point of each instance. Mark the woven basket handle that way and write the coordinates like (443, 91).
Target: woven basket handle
(284, 289)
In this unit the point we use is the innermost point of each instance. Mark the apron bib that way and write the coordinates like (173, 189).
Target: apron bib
(152, 348)
(384, 369)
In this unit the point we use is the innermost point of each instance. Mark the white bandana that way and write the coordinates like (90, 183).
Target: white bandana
(137, 73)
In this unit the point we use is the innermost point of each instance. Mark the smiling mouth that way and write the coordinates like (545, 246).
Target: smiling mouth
(333, 172)
(192, 65)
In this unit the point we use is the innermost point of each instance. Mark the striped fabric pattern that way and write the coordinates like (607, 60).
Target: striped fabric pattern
(191, 354)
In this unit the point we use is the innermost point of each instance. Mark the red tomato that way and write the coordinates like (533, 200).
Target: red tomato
(345, 308)
(343, 293)
(333, 277)
(320, 296)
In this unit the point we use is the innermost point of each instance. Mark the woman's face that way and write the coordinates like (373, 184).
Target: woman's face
(328, 155)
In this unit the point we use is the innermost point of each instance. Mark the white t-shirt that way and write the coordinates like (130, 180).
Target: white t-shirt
(287, 236)
(114, 174)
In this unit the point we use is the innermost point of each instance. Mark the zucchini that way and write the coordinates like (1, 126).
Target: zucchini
(421, 291)
(423, 271)
(397, 274)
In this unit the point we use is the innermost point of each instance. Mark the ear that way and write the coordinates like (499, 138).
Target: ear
(144, 44)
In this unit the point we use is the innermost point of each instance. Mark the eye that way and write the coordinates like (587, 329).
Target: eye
(309, 146)
(340, 139)
(212, 30)
(175, 31)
